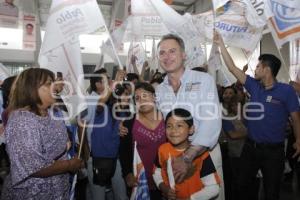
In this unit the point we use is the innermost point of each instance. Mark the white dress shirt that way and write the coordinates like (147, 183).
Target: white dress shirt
(197, 94)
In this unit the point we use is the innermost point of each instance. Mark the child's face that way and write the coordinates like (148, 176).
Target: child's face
(178, 131)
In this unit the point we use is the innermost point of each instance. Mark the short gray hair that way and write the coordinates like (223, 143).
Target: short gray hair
(171, 36)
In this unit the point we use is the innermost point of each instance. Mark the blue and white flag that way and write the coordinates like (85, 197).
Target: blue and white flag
(141, 191)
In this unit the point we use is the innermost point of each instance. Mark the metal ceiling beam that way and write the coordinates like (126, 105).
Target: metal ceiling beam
(191, 5)
(106, 3)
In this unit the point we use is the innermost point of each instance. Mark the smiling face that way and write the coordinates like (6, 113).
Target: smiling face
(145, 101)
(178, 131)
(171, 56)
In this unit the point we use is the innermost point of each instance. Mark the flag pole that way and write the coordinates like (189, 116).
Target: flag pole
(82, 138)
(72, 191)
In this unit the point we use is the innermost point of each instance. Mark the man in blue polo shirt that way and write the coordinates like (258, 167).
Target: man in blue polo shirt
(271, 103)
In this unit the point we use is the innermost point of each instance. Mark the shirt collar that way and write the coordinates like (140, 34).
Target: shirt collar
(183, 78)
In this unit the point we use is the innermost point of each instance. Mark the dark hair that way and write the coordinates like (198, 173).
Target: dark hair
(271, 61)
(94, 79)
(230, 87)
(119, 89)
(145, 86)
(24, 92)
(6, 88)
(199, 69)
(178, 39)
(180, 112)
(131, 77)
(157, 80)
(59, 75)
(31, 25)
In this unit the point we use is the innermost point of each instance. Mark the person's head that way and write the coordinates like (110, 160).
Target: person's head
(144, 96)
(155, 82)
(99, 81)
(268, 65)
(33, 90)
(157, 75)
(179, 126)
(171, 53)
(29, 29)
(132, 77)
(130, 80)
(6, 88)
(59, 83)
(229, 94)
(122, 95)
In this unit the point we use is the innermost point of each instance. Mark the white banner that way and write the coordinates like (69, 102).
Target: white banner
(217, 70)
(29, 32)
(218, 3)
(60, 51)
(69, 19)
(289, 3)
(136, 49)
(233, 27)
(295, 60)
(145, 20)
(184, 27)
(285, 24)
(3, 72)
(120, 11)
(67, 60)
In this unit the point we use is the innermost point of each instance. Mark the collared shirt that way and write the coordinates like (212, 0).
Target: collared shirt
(197, 94)
(267, 118)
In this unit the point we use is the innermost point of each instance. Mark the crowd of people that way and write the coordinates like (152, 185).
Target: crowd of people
(196, 140)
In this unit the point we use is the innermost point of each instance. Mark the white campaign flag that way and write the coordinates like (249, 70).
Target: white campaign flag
(60, 51)
(214, 61)
(119, 14)
(145, 21)
(170, 173)
(232, 24)
(295, 60)
(217, 70)
(184, 27)
(3, 72)
(285, 22)
(136, 49)
(252, 16)
(218, 3)
(290, 3)
(154, 64)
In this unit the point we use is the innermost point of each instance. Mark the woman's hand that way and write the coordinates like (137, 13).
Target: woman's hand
(123, 131)
(75, 164)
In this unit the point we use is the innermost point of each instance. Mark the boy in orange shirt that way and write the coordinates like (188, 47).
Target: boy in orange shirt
(203, 181)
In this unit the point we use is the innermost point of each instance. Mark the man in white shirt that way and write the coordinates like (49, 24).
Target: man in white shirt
(196, 92)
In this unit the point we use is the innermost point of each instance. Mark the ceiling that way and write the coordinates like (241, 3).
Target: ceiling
(180, 6)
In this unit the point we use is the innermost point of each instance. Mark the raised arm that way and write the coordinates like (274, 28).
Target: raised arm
(238, 73)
